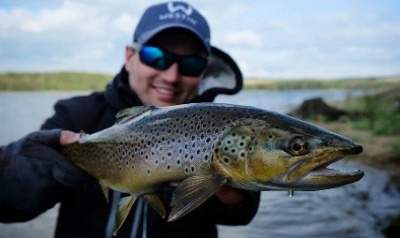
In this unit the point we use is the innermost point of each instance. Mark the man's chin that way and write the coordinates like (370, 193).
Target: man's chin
(165, 101)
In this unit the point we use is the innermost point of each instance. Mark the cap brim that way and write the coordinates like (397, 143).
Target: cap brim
(150, 34)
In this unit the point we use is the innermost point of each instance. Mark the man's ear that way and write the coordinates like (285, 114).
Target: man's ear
(129, 53)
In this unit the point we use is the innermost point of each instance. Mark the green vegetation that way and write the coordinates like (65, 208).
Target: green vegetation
(350, 83)
(378, 112)
(96, 81)
(52, 81)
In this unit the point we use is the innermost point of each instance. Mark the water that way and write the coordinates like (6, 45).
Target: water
(357, 210)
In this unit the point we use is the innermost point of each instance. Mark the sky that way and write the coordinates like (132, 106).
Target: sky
(273, 39)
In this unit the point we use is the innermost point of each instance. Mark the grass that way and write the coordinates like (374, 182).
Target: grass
(351, 83)
(379, 112)
(14, 81)
(52, 81)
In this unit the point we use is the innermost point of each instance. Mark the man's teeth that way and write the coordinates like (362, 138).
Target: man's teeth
(165, 90)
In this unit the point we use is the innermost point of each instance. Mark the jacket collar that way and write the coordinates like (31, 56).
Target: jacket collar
(119, 94)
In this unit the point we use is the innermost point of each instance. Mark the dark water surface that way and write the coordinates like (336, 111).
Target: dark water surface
(357, 210)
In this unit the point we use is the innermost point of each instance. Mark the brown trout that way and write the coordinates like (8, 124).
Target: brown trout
(205, 146)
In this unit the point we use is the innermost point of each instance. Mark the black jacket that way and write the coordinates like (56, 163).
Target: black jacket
(84, 212)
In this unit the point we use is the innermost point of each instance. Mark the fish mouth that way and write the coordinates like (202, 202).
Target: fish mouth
(314, 174)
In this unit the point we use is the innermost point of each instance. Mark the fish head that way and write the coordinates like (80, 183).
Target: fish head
(288, 153)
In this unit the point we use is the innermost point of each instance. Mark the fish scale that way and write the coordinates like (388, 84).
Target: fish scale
(205, 146)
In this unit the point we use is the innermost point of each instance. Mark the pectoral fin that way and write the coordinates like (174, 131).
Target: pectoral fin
(192, 192)
(156, 203)
(105, 191)
(124, 207)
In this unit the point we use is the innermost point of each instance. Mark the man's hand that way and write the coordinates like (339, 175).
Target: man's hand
(68, 137)
(229, 196)
(37, 156)
(34, 175)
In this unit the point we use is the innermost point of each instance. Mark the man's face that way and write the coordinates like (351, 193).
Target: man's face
(164, 87)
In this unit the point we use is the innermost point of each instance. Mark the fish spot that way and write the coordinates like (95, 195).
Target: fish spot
(148, 171)
(233, 151)
(168, 167)
(178, 161)
(226, 160)
(156, 161)
(192, 168)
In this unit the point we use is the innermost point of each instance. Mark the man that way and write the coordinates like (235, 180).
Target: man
(170, 62)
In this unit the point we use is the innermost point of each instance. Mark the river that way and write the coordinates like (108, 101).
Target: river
(357, 210)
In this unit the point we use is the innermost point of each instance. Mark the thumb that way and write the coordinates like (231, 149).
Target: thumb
(68, 137)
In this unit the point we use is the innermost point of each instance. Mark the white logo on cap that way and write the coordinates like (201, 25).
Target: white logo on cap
(178, 6)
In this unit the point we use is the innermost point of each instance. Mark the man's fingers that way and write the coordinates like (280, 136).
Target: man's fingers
(68, 137)
(229, 195)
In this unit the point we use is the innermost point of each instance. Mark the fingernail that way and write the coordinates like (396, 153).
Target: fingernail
(68, 137)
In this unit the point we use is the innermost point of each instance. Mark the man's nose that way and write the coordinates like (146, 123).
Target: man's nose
(171, 74)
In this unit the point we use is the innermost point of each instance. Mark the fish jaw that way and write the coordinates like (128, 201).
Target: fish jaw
(313, 173)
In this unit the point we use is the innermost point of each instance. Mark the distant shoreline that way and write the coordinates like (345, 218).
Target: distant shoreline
(72, 81)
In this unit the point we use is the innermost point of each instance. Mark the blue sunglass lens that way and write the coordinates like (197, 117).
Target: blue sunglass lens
(154, 57)
(192, 65)
(161, 60)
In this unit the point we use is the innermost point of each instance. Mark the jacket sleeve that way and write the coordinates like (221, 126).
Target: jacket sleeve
(76, 114)
(34, 175)
(240, 214)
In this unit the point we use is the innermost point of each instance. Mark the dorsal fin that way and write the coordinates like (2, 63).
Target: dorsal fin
(132, 112)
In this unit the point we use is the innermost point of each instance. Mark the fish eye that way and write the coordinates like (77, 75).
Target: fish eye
(297, 146)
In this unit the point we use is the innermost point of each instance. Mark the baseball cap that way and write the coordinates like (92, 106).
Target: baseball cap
(173, 14)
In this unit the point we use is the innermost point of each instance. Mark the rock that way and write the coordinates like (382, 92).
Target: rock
(315, 108)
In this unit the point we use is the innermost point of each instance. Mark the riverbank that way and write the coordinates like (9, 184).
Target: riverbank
(380, 151)
(16, 81)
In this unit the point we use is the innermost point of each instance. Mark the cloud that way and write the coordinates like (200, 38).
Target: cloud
(265, 37)
(243, 39)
